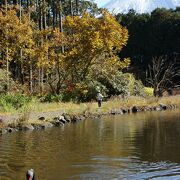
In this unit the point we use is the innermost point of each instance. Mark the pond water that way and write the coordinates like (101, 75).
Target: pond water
(139, 146)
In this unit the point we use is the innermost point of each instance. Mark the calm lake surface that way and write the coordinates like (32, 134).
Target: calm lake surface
(140, 146)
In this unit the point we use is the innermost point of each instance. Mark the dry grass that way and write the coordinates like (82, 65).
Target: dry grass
(116, 103)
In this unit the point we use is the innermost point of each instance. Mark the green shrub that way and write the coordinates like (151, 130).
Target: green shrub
(83, 91)
(138, 88)
(9, 102)
(148, 91)
(51, 98)
(123, 84)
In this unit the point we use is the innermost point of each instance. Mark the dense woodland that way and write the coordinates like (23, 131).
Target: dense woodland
(71, 49)
(152, 35)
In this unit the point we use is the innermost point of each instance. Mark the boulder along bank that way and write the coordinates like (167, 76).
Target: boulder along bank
(63, 118)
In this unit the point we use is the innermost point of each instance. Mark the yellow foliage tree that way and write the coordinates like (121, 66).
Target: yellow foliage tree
(9, 25)
(16, 40)
(93, 44)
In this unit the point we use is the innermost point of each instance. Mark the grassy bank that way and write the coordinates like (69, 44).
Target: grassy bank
(34, 106)
(30, 112)
(115, 103)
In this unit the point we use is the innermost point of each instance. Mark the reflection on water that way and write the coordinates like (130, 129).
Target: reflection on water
(140, 146)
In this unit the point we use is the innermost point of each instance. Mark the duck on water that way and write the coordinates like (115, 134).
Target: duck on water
(30, 174)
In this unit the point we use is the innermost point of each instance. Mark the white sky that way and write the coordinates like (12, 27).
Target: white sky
(101, 2)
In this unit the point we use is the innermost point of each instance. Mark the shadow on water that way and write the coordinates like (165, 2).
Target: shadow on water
(140, 146)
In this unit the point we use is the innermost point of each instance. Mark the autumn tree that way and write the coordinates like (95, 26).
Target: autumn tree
(92, 45)
(16, 36)
(47, 51)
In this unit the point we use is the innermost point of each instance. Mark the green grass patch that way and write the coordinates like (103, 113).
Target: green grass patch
(12, 103)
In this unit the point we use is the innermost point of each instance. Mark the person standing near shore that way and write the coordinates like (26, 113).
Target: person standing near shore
(99, 98)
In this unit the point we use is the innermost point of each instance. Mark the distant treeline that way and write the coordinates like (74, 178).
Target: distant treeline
(151, 35)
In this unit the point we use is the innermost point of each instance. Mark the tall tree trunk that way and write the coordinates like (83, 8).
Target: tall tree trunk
(77, 7)
(7, 58)
(40, 15)
(31, 78)
(54, 13)
(44, 14)
(42, 80)
(39, 79)
(7, 69)
(21, 51)
(22, 66)
(5, 3)
(20, 10)
(30, 60)
(28, 5)
(71, 7)
(49, 18)
(60, 22)
(58, 85)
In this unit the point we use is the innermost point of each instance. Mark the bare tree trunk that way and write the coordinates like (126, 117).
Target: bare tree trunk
(7, 69)
(31, 78)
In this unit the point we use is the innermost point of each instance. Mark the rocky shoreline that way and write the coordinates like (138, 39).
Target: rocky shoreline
(63, 118)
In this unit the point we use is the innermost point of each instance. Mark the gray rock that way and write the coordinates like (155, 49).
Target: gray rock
(134, 109)
(113, 112)
(119, 111)
(59, 119)
(67, 117)
(158, 108)
(27, 127)
(82, 118)
(163, 106)
(75, 118)
(124, 110)
(3, 131)
(116, 111)
(37, 126)
(42, 118)
(46, 125)
(62, 119)
(172, 106)
(57, 123)
(10, 129)
(56, 118)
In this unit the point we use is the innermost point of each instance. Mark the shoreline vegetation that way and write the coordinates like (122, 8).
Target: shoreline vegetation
(37, 115)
